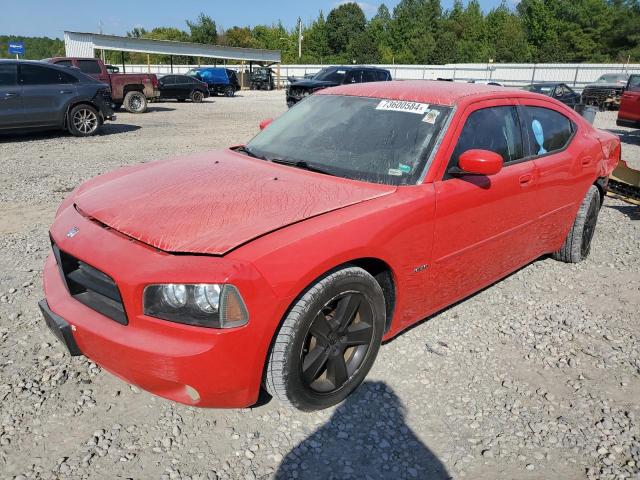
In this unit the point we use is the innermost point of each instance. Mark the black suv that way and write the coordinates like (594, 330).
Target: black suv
(35, 95)
(333, 76)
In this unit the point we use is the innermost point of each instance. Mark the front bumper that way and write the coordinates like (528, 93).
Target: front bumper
(193, 365)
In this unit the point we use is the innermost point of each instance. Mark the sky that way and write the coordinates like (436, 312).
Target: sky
(52, 17)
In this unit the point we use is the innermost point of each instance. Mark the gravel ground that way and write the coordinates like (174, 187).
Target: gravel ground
(537, 376)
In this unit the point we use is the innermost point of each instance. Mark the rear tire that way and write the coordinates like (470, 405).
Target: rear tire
(83, 121)
(577, 245)
(328, 341)
(135, 102)
(197, 96)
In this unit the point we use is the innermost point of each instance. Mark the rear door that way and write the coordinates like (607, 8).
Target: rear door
(566, 160)
(630, 103)
(484, 224)
(11, 110)
(46, 92)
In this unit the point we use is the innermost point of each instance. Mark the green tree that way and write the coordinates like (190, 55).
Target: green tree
(507, 39)
(414, 30)
(344, 23)
(239, 37)
(315, 46)
(203, 30)
(541, 28)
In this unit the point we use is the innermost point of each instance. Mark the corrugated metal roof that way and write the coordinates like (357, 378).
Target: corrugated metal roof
(83, 44)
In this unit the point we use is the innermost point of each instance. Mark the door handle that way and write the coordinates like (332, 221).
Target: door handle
(66, 91)
(9, 95)
(525, 179)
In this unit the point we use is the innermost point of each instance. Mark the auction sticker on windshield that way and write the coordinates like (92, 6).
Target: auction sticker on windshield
(402, 106)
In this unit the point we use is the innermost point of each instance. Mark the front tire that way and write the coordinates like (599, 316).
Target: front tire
(135, 102)
(328, 341)
(229, 91)
(83, 121)
(577, 245)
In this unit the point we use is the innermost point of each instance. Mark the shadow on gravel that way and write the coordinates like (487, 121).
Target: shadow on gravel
(153, 108)
(627, 136)
(631, 211)
(33, 135)
(366, 437)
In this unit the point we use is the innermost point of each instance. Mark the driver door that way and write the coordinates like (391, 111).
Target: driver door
(484, 225)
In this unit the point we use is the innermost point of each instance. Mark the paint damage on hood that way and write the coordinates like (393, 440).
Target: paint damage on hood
(214, 202)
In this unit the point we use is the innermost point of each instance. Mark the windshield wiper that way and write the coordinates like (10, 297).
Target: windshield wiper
(292, 163)
(300, 164)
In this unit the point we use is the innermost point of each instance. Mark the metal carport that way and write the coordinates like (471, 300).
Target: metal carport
(82, 44)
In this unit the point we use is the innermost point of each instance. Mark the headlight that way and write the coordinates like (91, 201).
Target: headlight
(205, 304)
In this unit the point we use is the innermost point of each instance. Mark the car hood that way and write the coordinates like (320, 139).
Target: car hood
(214, 202)
(314, 84)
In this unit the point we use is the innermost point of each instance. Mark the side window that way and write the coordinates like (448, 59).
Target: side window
(634, 83)
(168, 79)
(65, 63)
(8, 74)
(547, 130)
(560, 91)
(353, 76)
(89, 66)
(369, 76)
(382, 76)
(39, 75)
(496, 129)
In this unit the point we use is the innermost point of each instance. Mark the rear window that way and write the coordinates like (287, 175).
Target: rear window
(634, 83)
(89, 66)
(382, 76)
(40, 75)
(65, 63)
(547, 130)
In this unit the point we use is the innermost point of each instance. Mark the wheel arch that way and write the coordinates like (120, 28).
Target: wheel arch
(601, 185)
(134, 87)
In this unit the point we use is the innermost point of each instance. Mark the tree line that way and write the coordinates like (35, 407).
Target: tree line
(421, 32)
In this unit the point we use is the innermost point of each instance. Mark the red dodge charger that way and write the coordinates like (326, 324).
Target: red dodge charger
(284, 263)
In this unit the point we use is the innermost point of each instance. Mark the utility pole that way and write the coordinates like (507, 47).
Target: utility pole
(300, 37)
(100, 29)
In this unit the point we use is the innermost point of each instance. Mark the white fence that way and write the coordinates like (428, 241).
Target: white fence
(510, 74)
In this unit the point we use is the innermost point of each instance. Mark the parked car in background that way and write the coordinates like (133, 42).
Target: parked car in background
(333, 76)
(629, 113)
(262, 79)
(560, 91)
(285, 262)
(223, 81)
(606, 92)
(129, 90)
(34, 95)
(182, 87)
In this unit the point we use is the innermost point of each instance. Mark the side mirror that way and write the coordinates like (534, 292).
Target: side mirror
(265, 123)
(479, 162)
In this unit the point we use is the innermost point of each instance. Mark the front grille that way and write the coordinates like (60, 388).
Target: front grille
(598, 95)
(90, 286)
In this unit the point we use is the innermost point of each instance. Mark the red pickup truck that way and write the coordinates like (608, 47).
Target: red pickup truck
(130, 90)
(629, 113)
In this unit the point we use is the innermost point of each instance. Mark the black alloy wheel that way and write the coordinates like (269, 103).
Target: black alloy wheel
(337, 342)
(328, 340)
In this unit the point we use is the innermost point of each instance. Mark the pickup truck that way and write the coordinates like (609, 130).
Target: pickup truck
(128, 90)
(629, 113)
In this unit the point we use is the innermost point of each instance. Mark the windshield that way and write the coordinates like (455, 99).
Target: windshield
(368, 139)
(613, 78)
(331, 75)
(544, 89)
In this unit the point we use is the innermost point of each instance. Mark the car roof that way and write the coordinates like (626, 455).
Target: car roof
(35, 62)
(353, 67)
(426, 91)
